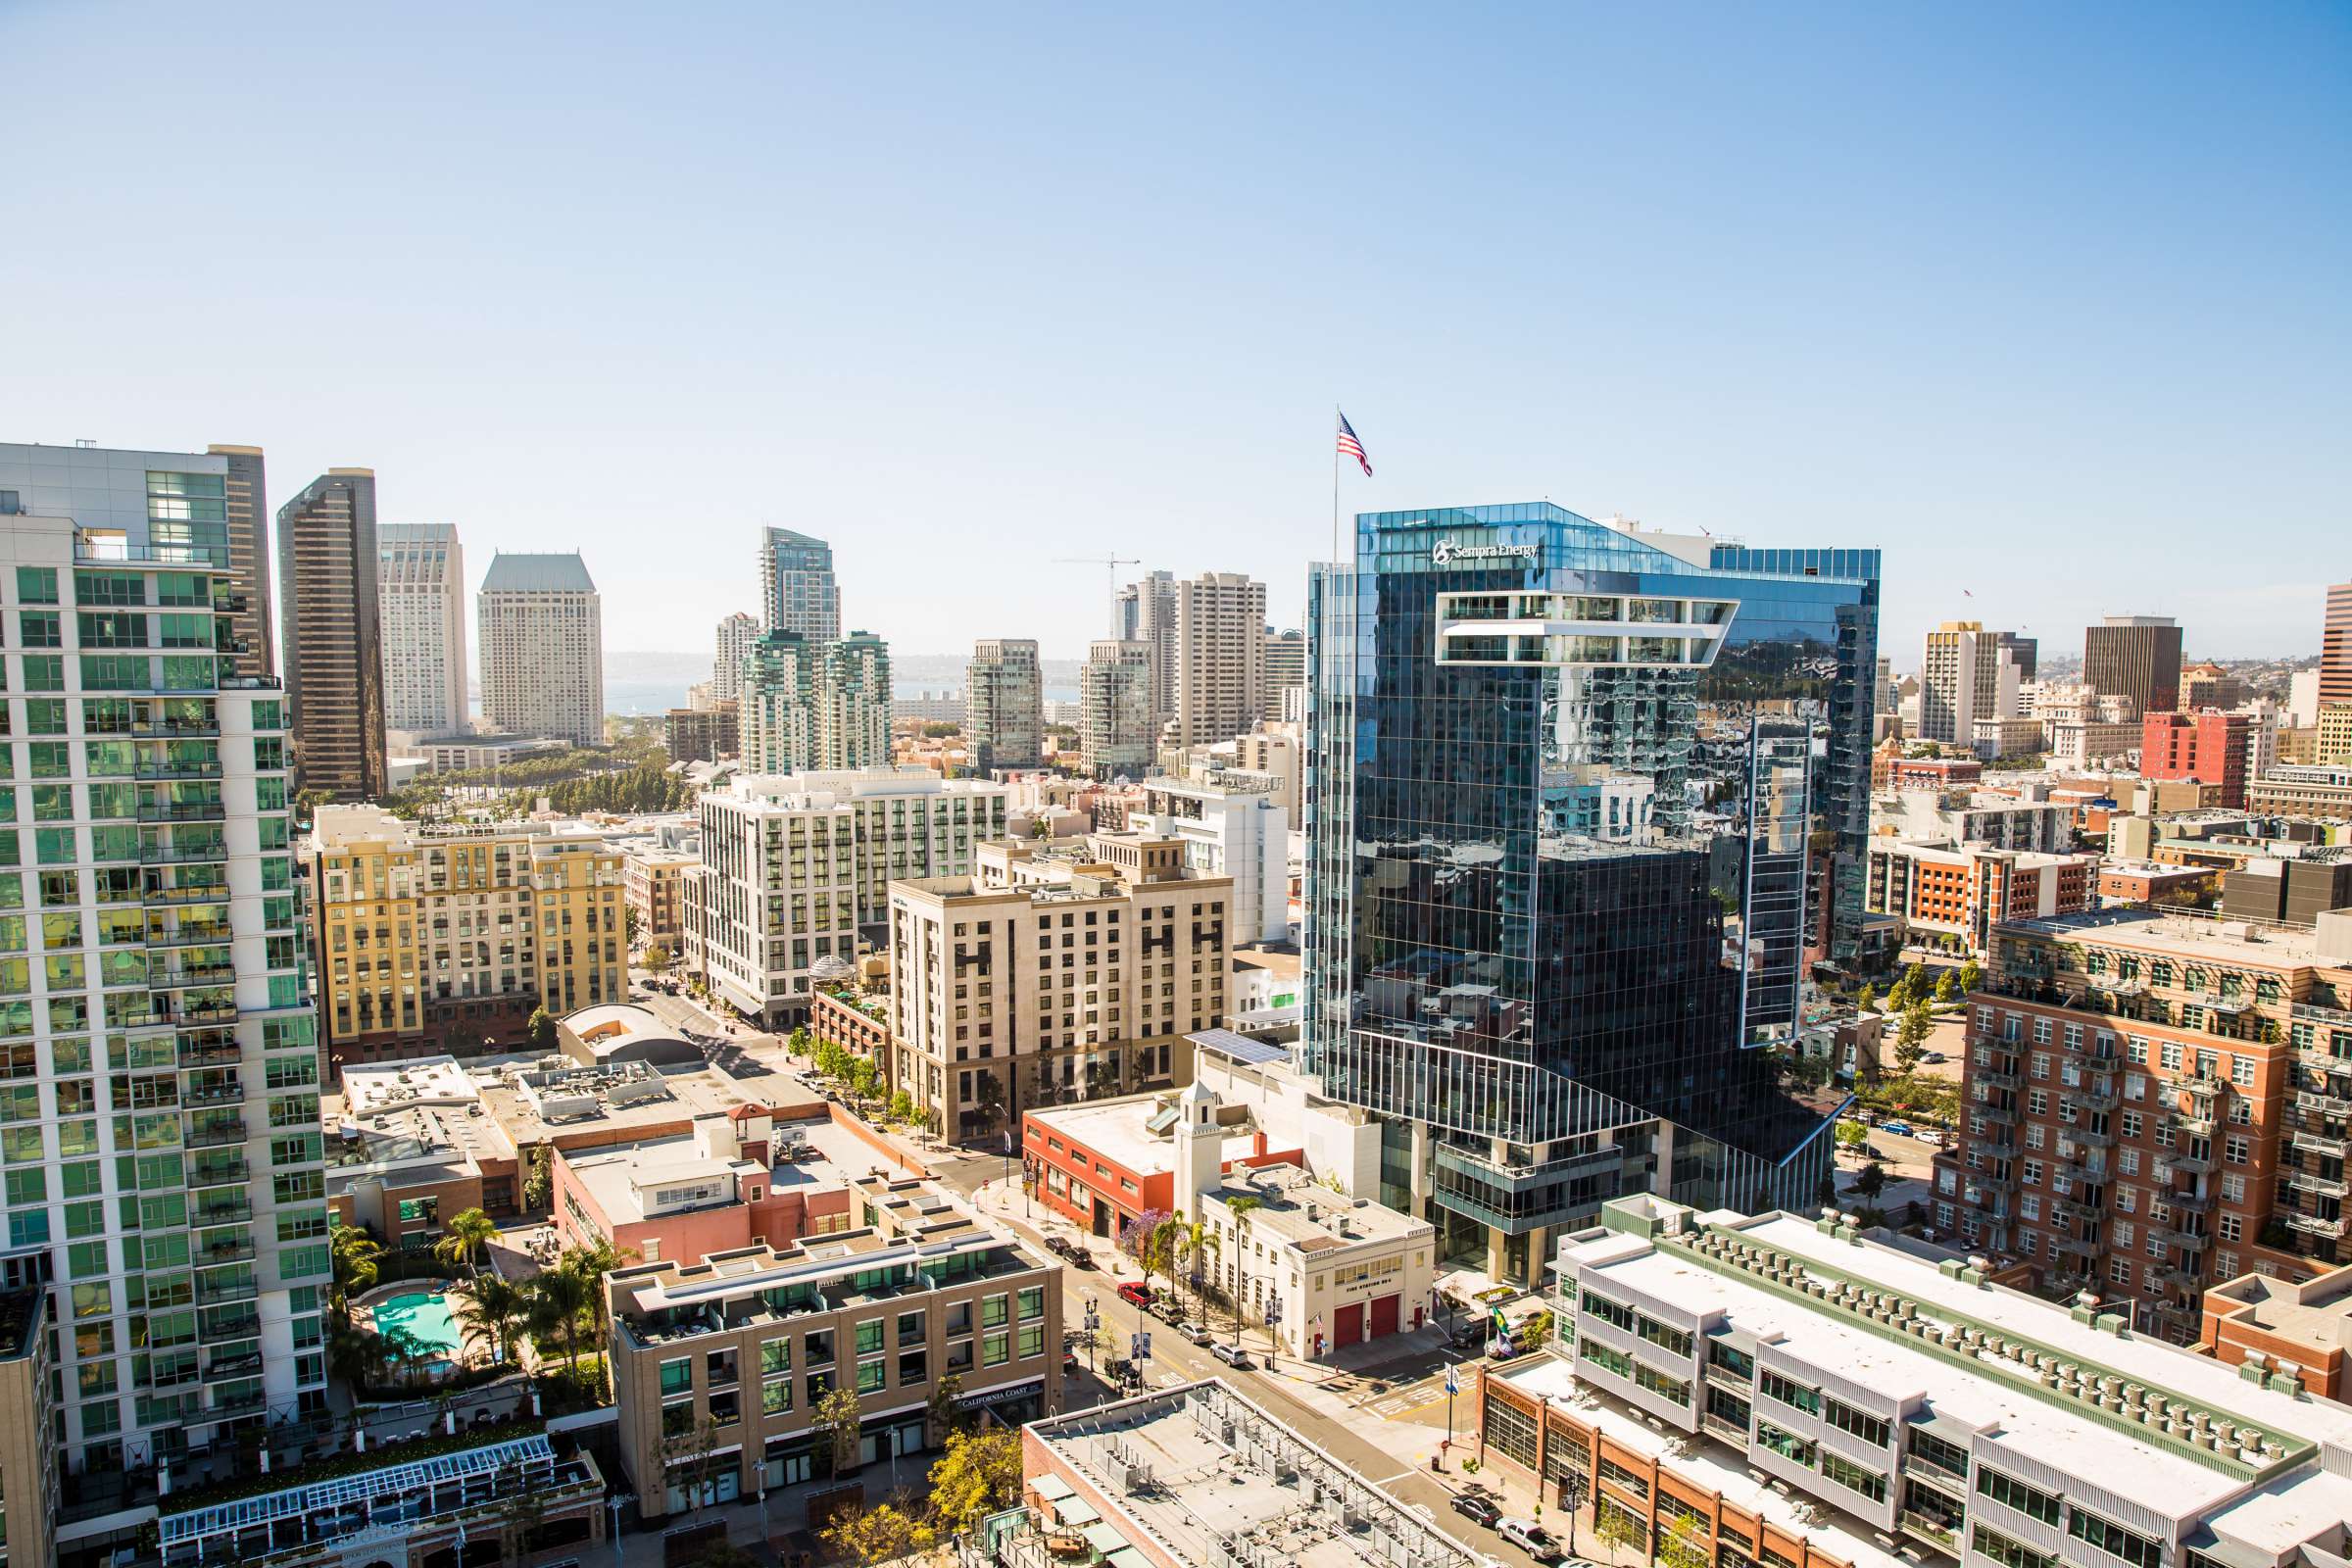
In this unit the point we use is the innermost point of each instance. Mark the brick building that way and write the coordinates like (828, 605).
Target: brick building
(2210, 747)
(1965, 892)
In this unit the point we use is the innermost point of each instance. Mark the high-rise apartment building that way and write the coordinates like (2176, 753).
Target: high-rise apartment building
(2136, 657)
(1285, 668)
(1519, 942)
(218, 498)
(736, 634)
(1115, 737)
(420, 589)
(542, 648)
(2211, 748)
(1964, 675)
(1147, 614)
(1220, 659)
(810, 706)
(701, 734)
(2146, 1094)
(331, 618)
(798, 592)
(172, 1205)
(1053, 975)
(794, 865)
(1004, 703)
(436, 939)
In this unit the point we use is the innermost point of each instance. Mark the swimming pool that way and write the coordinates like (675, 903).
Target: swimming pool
(423, 1319)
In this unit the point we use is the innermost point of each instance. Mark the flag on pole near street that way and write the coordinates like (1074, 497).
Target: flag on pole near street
(1353, 447)
(1453, 1385)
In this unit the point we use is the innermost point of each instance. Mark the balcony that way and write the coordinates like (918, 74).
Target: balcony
(2316, 1225)
(1996, 1146)
(1994, 1116)
(2322, 1105)
(182, 855)
(2194, 1125)
(220, 1293)
(1729, 1431)
(2173, 1277)
(191, 936)
(2083, 1213)
(1989, 1079)
(218, 1171)
(2118, 984)
(174, 729)
(2076, 1246)
(229, 1327)
(242, 1403)
(2311, 1143)
(175, 770)
(2089, 1138)
(214, 1095)
(2185, 1241)
(232, 1211)
(1919, 1465)
(2199, 1087)
(216, 1133)
(2311, 1181)
(2189, 1202)
(220, 1054)
(2228, 1006)
(2190, 1164)
(200, 812)
(2087, 1102)
(234, 1364)
(1943, 1536)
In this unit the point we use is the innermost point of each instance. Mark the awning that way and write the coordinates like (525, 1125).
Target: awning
(1103, 1537)
(1051, 1488)
(1076, 1511)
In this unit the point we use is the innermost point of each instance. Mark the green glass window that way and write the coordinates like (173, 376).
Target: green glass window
(36, 585)
(109, 588)
(44, 672)
(43, 628)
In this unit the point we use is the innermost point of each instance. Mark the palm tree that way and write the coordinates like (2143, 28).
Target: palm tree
(494, 1309)
(1161, 1251)
(354, 1255)
(590, 1264)
(1194, 1245)
(469, 1232)
(559, 1299)
(1241, 1208)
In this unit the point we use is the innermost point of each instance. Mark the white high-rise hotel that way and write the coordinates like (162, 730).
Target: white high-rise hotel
(543, 649)
(421, 600)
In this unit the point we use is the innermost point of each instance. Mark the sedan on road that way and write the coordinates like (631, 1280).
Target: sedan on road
(1477, 1509)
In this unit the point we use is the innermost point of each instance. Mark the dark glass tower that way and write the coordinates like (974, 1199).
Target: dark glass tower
(1584, 802)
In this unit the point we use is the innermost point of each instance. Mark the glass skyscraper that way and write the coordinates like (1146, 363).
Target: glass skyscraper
(798, 592)
(1584, 802)
(159, 1129)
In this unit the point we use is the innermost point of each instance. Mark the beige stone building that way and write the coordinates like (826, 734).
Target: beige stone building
(1053, 975)
(27, 1420)
(1219, 658)
(433, 938)
(720, 1366)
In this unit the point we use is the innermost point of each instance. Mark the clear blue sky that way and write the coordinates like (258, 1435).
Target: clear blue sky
(2049, 303)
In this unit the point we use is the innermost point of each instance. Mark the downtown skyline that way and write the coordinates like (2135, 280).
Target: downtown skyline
(1779, 278)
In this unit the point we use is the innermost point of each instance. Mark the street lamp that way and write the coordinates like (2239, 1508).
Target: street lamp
(613, 1505)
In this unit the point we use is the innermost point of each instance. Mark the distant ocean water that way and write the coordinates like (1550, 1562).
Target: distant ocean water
(661, 695)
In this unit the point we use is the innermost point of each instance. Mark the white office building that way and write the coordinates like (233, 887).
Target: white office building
(421, 600)
(1231, 823)
(736, 634)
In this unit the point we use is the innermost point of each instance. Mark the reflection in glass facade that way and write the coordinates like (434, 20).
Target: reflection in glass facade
(1582, 805)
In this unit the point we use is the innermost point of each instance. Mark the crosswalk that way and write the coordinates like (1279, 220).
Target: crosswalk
(1397, 1405)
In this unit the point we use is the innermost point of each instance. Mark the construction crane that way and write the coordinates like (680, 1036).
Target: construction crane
(1110, 566)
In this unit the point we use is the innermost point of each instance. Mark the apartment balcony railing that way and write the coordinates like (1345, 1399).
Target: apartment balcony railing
(2185, 1241)
(235, 1211)
(216, 1292)
(176, 771)
(1996, 1146)
(2088, 1101)
(185, 811)
(1994, 1116)
(216, 1134)
(2090, 1136)
(2322, 1105)
(2311, 1181)
(2190, 1203)
(219, 1171)
(240, 1251)
(2075, 1246)
(2312, 1143)
(214, 1095)
(230, 1327)
(2082, 1212)
(2190, 1164)
(2189, 1123)
(2315, 1224)
(1992, 1079)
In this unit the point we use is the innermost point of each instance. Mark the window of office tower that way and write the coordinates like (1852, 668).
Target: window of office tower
(1578, 886)
(189, 508)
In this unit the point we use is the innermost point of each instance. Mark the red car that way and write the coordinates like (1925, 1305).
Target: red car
(1136, 1294)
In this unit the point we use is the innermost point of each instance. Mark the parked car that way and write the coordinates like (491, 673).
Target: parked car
(1934, 1058)
(1136, 1294)
(1477, 1509)
(1197, 1332)
(1233, 1355)
(1898, 1129)
(1929, 1137)
(1531, 1537)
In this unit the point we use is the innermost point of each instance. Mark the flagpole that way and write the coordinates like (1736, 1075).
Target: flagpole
(1336, 418)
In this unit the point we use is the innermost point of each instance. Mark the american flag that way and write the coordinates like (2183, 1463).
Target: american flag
(1351, 446)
